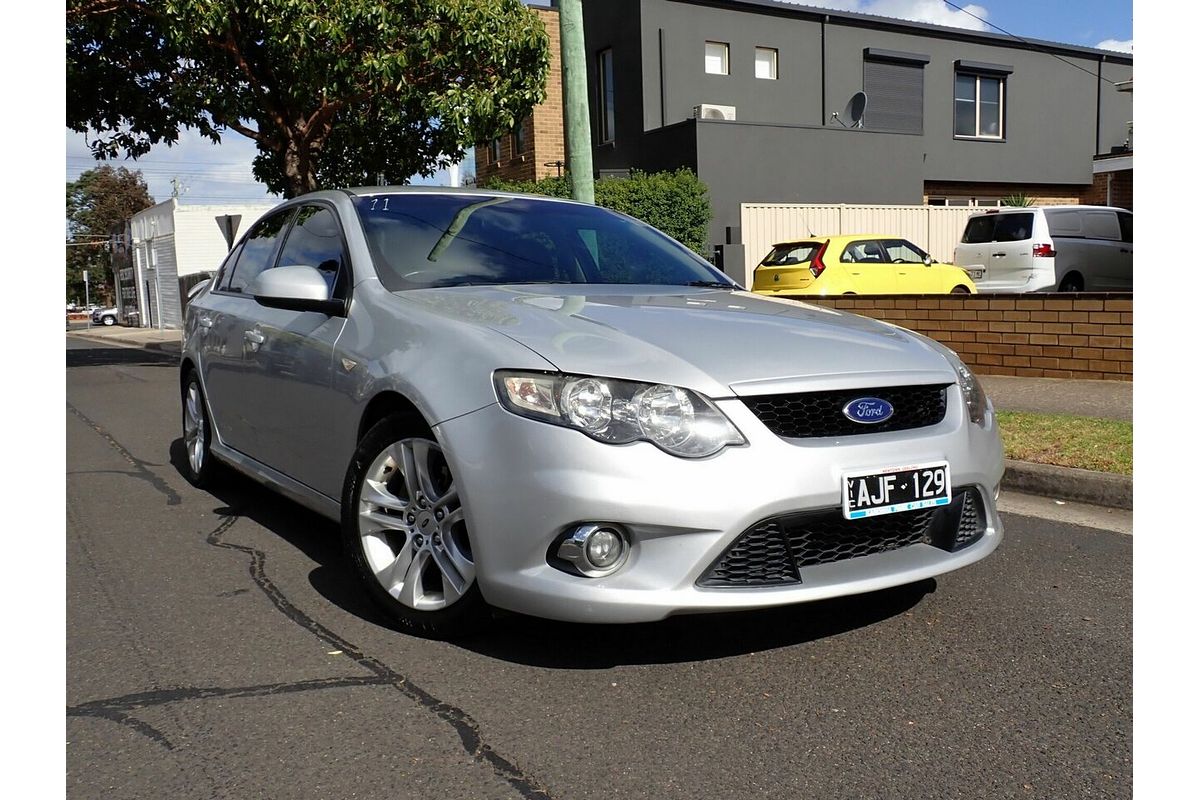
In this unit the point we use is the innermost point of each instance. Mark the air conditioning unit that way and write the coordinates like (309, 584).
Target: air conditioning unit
(709, 111)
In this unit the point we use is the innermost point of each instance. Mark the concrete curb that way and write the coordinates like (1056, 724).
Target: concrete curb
(1065, 483)
(1062, 483)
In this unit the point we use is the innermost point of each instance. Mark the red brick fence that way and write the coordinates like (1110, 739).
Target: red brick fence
(1041, 336)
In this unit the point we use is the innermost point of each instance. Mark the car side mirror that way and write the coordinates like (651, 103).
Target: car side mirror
(928, 260)
(295, 288)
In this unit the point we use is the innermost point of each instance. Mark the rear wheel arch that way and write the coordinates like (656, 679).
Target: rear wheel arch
(1071, 282)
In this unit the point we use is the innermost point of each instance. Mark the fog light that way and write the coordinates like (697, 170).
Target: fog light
(595, 550)
(603, 548)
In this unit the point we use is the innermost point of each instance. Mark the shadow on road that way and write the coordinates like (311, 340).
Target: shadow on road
(545, 643)
(123, 356)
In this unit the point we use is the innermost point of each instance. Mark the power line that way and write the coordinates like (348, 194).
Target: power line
(1029, 43)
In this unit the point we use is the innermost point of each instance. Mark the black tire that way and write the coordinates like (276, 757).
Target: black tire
(200, 467)
(432, 549)
(1072, 283)
(960, 290)
(108, 320)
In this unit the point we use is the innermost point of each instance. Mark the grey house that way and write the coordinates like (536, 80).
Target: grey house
(744, 92)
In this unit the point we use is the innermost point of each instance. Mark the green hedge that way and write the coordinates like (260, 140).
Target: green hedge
(674, 202)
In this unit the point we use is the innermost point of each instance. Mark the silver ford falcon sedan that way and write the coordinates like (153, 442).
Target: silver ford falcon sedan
(553, 408)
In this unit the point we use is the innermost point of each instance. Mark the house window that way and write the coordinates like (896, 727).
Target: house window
(716, 58)
(766, 63)
(979, 106)
(608, 102)
(494, 150)
(519, 141)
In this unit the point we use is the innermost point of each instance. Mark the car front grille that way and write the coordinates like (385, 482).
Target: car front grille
(812, 414)
(775, 552)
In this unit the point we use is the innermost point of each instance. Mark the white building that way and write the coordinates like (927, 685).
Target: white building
(174, 246)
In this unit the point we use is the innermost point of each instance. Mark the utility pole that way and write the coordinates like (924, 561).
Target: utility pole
(575, 102)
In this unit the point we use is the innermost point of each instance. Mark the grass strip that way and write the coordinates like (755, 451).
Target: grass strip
(1103, 445)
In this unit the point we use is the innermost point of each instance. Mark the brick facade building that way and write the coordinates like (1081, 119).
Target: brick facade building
(536, 148)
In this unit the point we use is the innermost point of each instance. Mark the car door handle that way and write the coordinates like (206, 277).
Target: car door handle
(1123, 250)
(998, 255)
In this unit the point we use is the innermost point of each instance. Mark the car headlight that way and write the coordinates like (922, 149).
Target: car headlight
(678, 421)
(972, 390)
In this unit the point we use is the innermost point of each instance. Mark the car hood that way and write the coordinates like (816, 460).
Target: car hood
(718, 342)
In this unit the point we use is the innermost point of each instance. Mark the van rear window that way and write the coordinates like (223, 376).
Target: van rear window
(979, 229)
(1014, 227)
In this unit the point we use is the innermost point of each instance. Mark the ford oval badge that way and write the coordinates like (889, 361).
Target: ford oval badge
(868, 410)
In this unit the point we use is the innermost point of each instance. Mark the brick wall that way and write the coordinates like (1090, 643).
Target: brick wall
(1043, 336)
(1122, 190)
(1042, 194)
(543, 129)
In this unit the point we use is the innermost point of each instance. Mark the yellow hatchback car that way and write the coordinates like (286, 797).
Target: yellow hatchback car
(858, 264)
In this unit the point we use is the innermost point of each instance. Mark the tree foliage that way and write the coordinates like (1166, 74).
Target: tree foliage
(674, 202)
(98, 203)
(333, 92)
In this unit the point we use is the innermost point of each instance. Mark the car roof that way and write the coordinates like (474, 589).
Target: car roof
(1058, 207)
(841, 238)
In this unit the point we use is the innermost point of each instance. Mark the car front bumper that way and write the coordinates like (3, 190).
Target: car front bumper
(524, 483)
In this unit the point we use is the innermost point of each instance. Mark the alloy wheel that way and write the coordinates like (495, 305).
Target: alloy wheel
(412, 528)
(193, 428)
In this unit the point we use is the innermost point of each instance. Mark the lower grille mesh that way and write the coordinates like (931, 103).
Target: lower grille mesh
(774, 551)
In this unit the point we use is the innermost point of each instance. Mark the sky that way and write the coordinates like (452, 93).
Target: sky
(205, 173)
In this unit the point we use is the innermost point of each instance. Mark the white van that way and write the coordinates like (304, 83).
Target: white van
(1048, 249)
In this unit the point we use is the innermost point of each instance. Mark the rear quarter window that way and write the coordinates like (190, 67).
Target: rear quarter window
(1101, 225)
(979, 229)
(1064, 223)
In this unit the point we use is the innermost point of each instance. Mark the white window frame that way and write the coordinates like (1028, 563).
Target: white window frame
(724, 58)
(773, 54)
(1003, 83)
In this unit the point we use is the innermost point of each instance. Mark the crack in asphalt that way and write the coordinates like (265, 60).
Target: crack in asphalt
(141, 468)
(117, 709)
(467, 729)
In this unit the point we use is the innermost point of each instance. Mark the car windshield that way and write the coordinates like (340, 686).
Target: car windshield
(422, 240)
(793, 253)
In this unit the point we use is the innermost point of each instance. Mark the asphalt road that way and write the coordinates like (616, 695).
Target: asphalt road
(216, 648)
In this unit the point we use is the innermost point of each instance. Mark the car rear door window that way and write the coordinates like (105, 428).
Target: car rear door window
(1013, 227)
(258, 251)
(980, 230)
(865, 252)
(315, 240)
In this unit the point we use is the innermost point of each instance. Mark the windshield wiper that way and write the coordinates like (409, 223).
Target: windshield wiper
(713, 284)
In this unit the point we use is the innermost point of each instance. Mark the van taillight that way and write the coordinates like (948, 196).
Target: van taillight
(1043, 251)
(818, 266)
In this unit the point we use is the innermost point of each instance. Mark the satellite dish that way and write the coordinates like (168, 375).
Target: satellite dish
(855, 111)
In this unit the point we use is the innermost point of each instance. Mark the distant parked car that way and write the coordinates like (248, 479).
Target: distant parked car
(855, 264)
(104, 316)
(1049, 248)
(555, 409)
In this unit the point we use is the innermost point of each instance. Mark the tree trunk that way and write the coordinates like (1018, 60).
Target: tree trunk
(299, 168)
